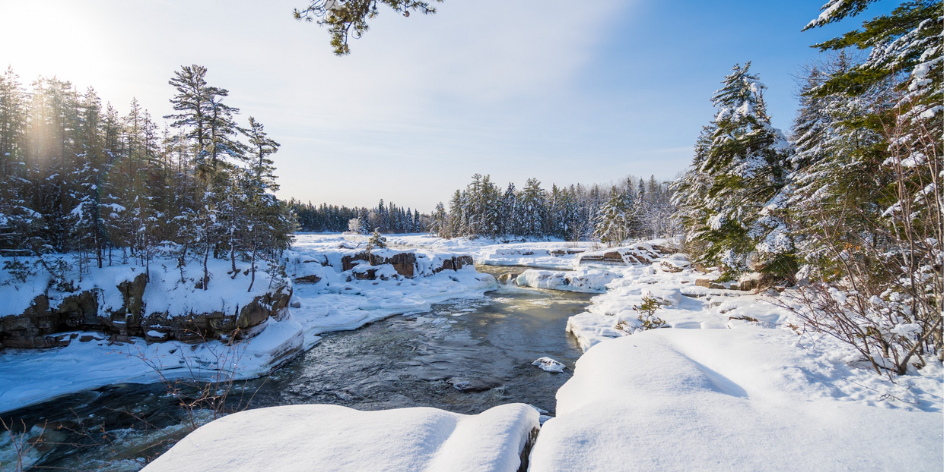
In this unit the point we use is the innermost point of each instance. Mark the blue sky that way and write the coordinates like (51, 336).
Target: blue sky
(566, 92)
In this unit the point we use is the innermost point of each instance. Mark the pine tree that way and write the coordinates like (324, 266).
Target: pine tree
(509, 221)
(613, 219)
(376, 241)
(531, 204)
(440, 226)
(744, 168)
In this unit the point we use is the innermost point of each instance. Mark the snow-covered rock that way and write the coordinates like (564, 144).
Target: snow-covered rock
(329, 437)
(328, 301)
(548, 364)
(581, 280)
(130, 300)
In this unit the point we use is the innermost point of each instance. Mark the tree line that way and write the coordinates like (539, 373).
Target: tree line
(80, 178)
(332, 218)
(851, 206)
(631, 208)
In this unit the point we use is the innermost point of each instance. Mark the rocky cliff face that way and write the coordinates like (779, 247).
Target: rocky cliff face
(43, 326)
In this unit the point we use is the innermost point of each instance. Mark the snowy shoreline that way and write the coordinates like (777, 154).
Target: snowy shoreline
(727, 382)
(334, 303)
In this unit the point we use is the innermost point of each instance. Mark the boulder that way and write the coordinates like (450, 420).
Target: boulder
(508, 277)
(404, 263)
(565, 252)
(668, 266)
(127, 319)
(755, 281)
(308, 279)
(455, 263)
(80, 310)
(708, 284)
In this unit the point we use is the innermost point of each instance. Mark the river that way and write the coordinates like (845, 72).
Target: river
(464, 356)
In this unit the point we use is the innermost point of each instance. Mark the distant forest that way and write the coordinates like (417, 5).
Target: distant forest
(630, 209)
(332, 218)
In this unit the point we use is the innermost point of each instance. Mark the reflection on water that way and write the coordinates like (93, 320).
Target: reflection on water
(465, 356)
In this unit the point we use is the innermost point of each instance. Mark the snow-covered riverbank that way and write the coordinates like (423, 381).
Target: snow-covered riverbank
(340, 300)
(731, 383)
(728, 384)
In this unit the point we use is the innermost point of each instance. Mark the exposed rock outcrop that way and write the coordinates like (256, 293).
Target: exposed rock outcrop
(708, 284)
(404, 263)
(42, 326)
(454, 263)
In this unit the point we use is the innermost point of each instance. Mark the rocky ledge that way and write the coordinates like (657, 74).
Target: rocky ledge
(140, 304)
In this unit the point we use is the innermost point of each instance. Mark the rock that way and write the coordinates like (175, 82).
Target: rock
(154, 336)
(754, 281)
(548, 364)
(466, 385)
(80, 310)
(708, 284)
(308, 279)
(296, 304)
(132, 294)
(661, 249)
(404, 263)
(507, 277)
(615, 257)
(563, 252)
(667, 266)
(455, 263)
(37, 326)
(202, 327)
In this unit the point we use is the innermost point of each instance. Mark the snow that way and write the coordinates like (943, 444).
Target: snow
(548, 364)
(329, 437)
(581, 280)
(165, 292)
(731, 383)
(100, 362)
(332, 304)
(732, 399)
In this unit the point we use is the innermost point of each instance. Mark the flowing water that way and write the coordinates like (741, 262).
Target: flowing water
(465, 356)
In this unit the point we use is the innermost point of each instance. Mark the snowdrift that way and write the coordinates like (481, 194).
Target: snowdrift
(329, 437)
(744, 399)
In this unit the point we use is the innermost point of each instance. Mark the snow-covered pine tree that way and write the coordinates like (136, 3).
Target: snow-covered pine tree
(440, 224)
(690, 193)
(456, 218)
(509, 225)
(266, 225)
(363, 221)
(531, 204)
(613, 219)
(376, 241)
(745, 165)
(491, 221)
(891, 279)
(830, 201)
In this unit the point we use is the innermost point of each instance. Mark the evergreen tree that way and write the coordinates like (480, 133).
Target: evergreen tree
(509, 221)
(614, 219)
(531, 205)
(744, 168)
